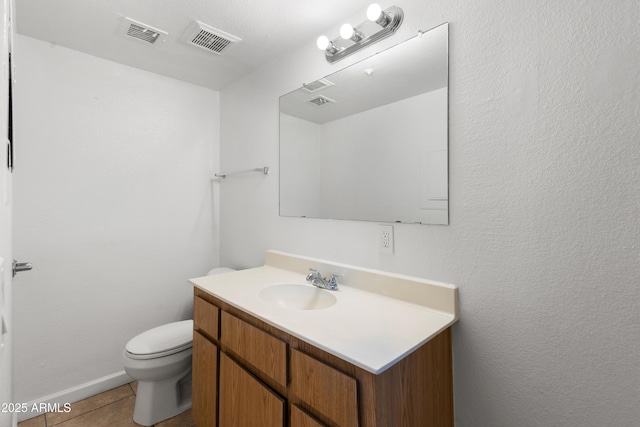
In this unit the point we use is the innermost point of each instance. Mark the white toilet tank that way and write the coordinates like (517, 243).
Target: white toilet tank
(219, 270)
(166, 339)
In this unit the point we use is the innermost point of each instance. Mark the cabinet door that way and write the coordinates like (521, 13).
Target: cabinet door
(244, 401)
(300, 418)
(205, 381)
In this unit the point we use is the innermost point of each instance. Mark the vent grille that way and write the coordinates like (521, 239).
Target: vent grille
(321, 101)
(209, 38)
(317, 85)
(211, 41)
(143, 32)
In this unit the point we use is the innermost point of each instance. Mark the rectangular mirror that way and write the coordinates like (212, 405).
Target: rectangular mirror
(370, 141)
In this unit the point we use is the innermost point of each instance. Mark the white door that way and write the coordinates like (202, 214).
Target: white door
(6, 258)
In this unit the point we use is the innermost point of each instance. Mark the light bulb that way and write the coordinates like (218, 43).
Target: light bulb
(346, 31)
(322, 42)
(325, 44)
(373, 12)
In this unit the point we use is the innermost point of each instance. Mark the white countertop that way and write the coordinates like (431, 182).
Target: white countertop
(372, 330)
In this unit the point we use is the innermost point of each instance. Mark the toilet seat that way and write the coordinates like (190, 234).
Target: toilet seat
(161, 341)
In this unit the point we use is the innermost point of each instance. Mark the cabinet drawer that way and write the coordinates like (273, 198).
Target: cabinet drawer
(265, 352)
(205, 317)
(325, 389)
(299, 418)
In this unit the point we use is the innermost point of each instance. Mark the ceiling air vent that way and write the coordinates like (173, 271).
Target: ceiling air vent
(143, 32)
(209, 38)
(317, 85)
(321, 101)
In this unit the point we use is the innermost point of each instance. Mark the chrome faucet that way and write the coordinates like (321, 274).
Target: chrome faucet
(317, 280)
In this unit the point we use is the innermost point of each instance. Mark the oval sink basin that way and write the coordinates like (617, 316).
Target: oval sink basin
(300, 297)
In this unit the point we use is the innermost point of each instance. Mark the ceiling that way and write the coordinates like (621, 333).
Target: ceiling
(268, 28)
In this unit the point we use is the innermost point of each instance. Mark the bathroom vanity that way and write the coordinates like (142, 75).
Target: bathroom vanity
(270, 349)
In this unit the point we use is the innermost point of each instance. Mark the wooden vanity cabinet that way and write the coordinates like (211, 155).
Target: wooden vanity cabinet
(248, 373)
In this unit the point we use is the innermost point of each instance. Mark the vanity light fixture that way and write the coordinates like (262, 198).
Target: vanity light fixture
(380, 24)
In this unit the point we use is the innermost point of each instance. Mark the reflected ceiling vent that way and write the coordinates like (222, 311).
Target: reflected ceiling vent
(145, 33)
(321, 101)
(209, 38)
(317, 85)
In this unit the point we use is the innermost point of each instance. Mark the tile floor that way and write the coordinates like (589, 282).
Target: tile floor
(108, 409)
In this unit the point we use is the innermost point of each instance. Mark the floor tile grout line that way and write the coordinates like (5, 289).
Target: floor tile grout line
(88, 412)
(132, 389)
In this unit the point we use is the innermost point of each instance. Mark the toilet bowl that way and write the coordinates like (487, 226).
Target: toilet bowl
(160, 360)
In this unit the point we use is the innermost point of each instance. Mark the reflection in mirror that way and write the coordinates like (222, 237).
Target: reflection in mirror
(369, 142)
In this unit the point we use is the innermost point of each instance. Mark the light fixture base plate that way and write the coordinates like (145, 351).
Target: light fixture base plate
(348, 47)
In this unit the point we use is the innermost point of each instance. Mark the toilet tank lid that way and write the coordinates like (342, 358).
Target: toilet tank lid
(162, 338)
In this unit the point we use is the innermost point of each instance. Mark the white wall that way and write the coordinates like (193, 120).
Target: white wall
(544, 204)
(113, 205)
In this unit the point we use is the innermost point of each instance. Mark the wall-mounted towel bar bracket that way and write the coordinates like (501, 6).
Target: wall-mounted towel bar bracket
(264, 170)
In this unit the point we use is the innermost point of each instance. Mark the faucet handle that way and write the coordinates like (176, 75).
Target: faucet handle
(313, 275)
(333, 282)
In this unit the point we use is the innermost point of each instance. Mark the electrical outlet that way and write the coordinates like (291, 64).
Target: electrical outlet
(386, 239)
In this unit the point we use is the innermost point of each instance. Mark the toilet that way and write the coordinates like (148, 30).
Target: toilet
(160, 360)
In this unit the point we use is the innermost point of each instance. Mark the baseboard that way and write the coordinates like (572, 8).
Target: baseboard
(74, 394)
